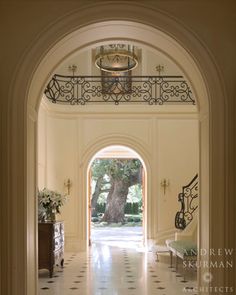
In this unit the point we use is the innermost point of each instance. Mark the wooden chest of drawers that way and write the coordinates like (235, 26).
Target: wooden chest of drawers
(50, 245)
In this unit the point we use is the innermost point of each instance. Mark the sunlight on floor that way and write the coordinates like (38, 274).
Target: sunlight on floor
(116, 267)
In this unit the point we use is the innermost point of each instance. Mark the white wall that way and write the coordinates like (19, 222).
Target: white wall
(170, 143)
(177, 162)
(42, 153)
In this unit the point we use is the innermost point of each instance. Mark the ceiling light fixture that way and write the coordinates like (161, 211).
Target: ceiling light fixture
(116, 58)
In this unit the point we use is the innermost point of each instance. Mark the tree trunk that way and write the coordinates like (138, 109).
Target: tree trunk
(116, 200)
(95, 196)
(98, 190)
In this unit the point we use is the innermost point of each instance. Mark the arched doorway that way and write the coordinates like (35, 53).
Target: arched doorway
(212, 172)
(120, 153)
(198, 89)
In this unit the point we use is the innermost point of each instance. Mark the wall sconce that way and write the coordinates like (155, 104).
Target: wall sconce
(160, 69)
(165, 183)
(72, 68)
(68, 185)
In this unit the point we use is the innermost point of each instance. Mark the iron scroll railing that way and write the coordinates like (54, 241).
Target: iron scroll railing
(188, 199)
(151, 90)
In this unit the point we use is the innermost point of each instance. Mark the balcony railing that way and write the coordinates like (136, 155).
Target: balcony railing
(151, 90)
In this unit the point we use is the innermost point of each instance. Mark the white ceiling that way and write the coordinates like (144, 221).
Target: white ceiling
(117, 151)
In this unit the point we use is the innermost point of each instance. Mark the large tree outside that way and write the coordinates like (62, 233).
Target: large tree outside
(116, 189)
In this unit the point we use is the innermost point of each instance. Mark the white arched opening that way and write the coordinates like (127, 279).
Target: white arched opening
(155, 40)
(119, 151)
(88, 156)
(75, 33)
(148, 37)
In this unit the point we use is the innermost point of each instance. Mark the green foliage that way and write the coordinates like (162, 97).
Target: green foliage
(137, 219)
(134, 219)
(135, 194)
(132, 208)
(100, 167)
(100, 207)
(120, 169)
(124, 173)
(102, 198)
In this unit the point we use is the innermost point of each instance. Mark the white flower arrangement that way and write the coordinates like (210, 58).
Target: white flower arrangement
(49, 202)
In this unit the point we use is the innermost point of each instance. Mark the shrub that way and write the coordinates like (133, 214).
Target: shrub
(100, 208)
(94, 219)
(132, 208)
(130, 219)
(137, 219)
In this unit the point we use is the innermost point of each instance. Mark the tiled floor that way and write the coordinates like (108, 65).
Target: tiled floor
(116, 270)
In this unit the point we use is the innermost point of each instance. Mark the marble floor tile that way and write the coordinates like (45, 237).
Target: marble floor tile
(116, 270)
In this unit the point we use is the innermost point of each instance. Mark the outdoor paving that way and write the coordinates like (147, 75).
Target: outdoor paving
(118, 235)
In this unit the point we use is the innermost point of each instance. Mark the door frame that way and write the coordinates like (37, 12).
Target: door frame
(144, 191)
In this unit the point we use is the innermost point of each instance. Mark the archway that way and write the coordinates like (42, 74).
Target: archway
(121, 153)
(30, 101)
(192, 75)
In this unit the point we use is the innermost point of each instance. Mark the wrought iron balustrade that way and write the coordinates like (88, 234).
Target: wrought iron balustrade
(151, 90)
(189, 203)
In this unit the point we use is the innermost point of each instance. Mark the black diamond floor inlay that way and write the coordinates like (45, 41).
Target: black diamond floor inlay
(131, 281)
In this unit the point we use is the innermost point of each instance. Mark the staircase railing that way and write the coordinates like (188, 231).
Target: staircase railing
(189, 203)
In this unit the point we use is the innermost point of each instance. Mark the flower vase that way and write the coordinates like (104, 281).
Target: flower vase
(50, 216)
